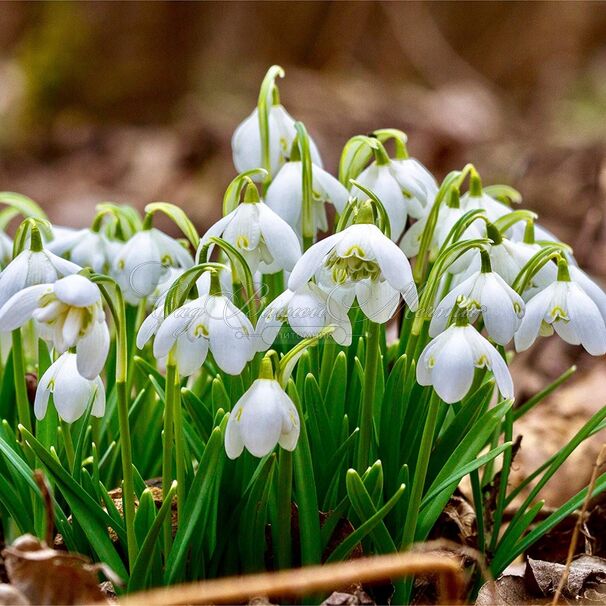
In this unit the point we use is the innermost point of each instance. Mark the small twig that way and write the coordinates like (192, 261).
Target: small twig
(310, 580)
(601, 459)
(40, 479)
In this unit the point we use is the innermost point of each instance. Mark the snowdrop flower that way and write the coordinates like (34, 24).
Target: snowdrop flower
(209, 322)
(87, 248)
(72, 393)
(246, 141)
(263, 417)
(420, 184)
(363, 255)
(6, 249)
(69, 313)
(30, 267)
(493, 208)
(142, 262)
(485, 293)
(285, 195)
(267, 242)
(308, 311)
(574, 312)
(449, 361)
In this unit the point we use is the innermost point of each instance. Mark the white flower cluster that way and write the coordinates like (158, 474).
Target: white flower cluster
(492, 271)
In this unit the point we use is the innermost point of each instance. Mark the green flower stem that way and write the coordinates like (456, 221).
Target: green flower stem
(420, 473)
(371, 367)
(20, 384)
(117, 309)
(284, 532)
(167, 445)
(69, 444)
(307, 211)
(173, 392)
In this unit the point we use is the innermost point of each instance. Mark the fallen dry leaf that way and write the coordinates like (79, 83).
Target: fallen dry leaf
(47, 576)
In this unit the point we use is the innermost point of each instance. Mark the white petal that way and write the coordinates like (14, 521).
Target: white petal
(172, 252)
(306, 314)
(261, 419)
(587, 321)
(377, 299)
(291, 425)
(597, 295)
(411, 241)
(43, 388)
(72, 392)
(98, 409)
(92, 351)
(62, 245)
(271, 320)
(441, 315)
(13, 278)
(285, 195)
(246, 144)
(216, 230)
(530, 325)
(77, 290)
(176, 324)
(280, 239)
(63, 267)
(233, 440)
(190, 354)
(453, 371)
(231, 336)
(311, 260)
(19, 308)
(392, 261)
(502, 309)
(331, 187)
(149, 326)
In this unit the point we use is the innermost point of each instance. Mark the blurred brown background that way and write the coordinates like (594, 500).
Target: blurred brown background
(136, 102)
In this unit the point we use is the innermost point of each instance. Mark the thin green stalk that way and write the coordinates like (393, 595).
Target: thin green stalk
(173, 391)
(69, 444)
(167, 446)
(370, 379)
(478, 503)
(420, 472)
(284, 532)
(20, 384)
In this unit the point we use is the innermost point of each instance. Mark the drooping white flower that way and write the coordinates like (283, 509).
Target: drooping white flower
(575, 312)
(87, 248)
(418, 182)
(363, 255)
(449, 361)
(72, 393)
(246, 141)
(69, 313)
(493, 208)
(267, 242)
(285, 195)
(208, 322)
(263, 417)
(6, 249)
(308, 311)
(141, 263)
(484, 293)
(32, 267)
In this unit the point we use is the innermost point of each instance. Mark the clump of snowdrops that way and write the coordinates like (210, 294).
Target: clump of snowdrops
(332, 344)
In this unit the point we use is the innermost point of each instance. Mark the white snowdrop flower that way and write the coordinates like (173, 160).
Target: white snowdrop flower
(486, 293)
(307, 311)
(362, 254)
(575, 312)
(419, 184)
(262, 418)
(87, 248)
(142, 261)
(449, 361)
(447, 218)
(285, 195)
(379, 179)
(208, 322)
(32, 267)
(246, 141)
(69, 313)
(267, 242)
(6, 249)
(72, 393)
(493, 208)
